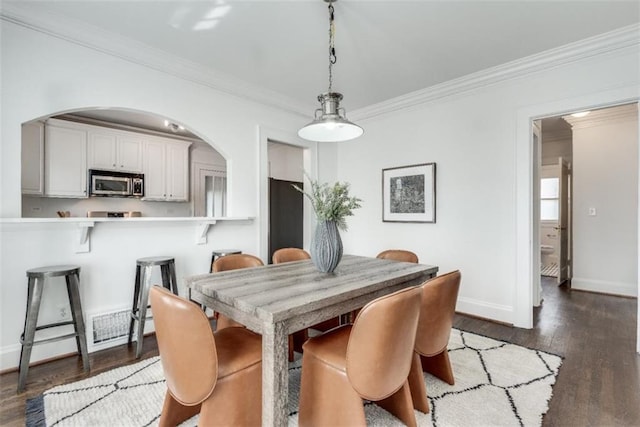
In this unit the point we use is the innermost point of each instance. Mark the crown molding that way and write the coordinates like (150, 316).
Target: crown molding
(139, 53)
(605, 116)
(622, 38)
(135, 52)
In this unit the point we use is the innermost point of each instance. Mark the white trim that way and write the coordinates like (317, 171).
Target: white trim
(10, 356)
(310, 164)
(133, 51)
(604, 43)
(525, 227)
(638, 294)
(605, 286)
(496, 312)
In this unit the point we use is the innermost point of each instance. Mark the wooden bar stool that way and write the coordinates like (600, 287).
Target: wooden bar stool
(36, 280)
(144, 268)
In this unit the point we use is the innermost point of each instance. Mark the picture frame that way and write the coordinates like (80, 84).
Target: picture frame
(409, 193)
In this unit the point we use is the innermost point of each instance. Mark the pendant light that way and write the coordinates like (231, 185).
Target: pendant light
(330, 123)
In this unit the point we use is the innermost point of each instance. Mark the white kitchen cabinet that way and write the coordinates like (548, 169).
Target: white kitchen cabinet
(117, 151)
(166, 170)
(177, 172)
(65, 166)
(154, 170)
(32, 164)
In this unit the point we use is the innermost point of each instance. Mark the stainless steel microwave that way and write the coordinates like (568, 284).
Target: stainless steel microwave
(115, 184)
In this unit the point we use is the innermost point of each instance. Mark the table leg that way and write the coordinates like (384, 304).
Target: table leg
(275, 376)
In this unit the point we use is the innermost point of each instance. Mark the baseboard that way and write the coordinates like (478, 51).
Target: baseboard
(486, 310)
(605, 286)
(10, 354)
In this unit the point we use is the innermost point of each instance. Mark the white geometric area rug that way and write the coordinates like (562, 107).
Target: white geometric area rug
(497, 383)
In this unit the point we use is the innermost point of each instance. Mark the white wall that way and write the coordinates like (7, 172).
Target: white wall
(43, 75)
(555, 146)
(285, 162)
(473, 137)
(605, 174)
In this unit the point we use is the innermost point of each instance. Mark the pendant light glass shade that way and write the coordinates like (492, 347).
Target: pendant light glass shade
(330, 126)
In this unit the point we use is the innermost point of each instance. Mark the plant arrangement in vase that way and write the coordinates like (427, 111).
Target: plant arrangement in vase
(332, 204)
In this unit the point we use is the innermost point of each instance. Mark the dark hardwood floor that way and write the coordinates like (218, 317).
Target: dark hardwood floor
(598, 383)
(599, 380)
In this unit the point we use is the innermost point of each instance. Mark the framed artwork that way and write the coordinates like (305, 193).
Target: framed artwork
(409, 193)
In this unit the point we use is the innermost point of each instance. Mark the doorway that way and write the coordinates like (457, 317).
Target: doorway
(286, 204)
(586, 200)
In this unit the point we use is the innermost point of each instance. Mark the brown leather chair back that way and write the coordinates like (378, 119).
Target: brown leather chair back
(382, 341)
(236, 261)
(289, 254)
(189, 359)
(439, 296)
(398, 255)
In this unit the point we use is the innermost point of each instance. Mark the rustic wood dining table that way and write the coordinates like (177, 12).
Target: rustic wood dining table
(277, 300)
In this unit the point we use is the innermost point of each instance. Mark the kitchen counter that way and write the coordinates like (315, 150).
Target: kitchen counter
(202, 225)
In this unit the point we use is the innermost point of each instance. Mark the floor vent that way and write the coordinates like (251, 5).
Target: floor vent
(108, 329)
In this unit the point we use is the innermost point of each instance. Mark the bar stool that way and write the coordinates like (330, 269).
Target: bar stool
(141, 291)
(220, 253)
(36, 280)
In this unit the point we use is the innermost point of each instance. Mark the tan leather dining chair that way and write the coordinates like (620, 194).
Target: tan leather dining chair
(233, 262)
(439, 296)
(289, 255)
(398, 255)
(297, 339)
(367, 360)
(218, 375)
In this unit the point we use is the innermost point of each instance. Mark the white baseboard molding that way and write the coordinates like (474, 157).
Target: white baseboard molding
(605, 287)
(487, 310)
(10, 354)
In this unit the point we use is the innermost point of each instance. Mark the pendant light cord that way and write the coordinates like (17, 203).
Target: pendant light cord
(332, 48)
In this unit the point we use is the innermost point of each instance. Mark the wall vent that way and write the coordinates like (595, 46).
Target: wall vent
(108, 329)
(111, 328)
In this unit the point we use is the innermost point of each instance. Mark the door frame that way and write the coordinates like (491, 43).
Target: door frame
(268, 134)
(526, 224)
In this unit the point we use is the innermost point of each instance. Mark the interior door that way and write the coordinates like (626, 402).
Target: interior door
(285, 215)
(563, 222)
(209, 192)
(537, 149)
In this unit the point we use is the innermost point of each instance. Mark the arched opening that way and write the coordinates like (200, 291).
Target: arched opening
(85, 163)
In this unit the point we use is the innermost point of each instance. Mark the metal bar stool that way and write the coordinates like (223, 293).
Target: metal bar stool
(141, 291)
(36, 280)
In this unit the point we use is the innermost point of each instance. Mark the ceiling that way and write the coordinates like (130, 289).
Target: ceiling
(385, 49)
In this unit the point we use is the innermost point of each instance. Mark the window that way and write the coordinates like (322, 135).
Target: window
(549, 202)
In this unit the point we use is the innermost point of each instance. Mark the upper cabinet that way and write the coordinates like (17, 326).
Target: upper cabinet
(114, 151)
(166, 170)
(65, 163)
(33, 158)
(57, 154)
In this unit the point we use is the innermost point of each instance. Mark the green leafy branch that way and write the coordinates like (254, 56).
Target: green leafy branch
(331, 203)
